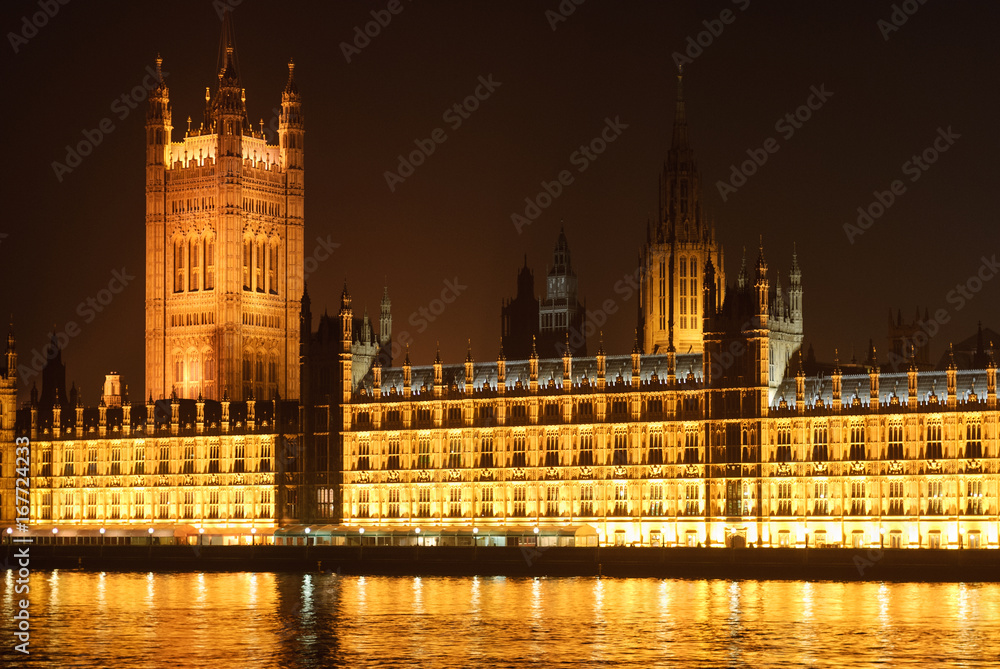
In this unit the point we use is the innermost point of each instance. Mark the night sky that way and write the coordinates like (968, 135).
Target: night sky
(450, 221)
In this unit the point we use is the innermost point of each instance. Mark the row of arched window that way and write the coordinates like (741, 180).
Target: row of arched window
(194, 264)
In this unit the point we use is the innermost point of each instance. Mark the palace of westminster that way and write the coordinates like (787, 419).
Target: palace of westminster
(715, 429)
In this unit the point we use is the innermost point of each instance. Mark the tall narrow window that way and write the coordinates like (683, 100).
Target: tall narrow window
(895, 498)
(194, 254)
(424, 502)
(656, 448)
(934, 451)
(424, 454)
(858, 443)
(935, 495)
(486, 452)
(393, 460)
(247, 260)
(179, 275)
(820, 446)
(518, 454)
(894, 450)
(455, 452)
(662, 285)
(620, 456)
(586, 450)
(259, 272)
(973, 440)
(239, 462)
(551, 450)
(210, 263)
(272, 269)
(587, 500)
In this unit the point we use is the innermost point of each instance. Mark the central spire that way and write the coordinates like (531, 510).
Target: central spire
(228, 62)
(680, 138)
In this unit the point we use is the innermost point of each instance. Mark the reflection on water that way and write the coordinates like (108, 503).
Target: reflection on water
(324, 620)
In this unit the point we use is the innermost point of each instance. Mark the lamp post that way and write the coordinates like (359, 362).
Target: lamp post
(100, 550)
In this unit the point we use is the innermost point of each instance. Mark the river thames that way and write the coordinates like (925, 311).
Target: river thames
(179, 620)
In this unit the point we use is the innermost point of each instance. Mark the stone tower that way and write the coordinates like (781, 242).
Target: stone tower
(675, 253)
(224, 237)
(560, 314)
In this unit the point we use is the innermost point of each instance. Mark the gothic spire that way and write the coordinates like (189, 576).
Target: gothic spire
(680, 137)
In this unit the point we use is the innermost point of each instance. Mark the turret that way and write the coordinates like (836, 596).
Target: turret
(873, 376)
(385, 325)
(225, 411)
(501, 370)
(991, 380)
(602, 366)
(800, 386)
(251, 414)
(126, 413)
(200, 418)
(150, 416)
(952, 377)
(438, 374)
(102, 419)
(567, 360)
(57, 417)
(911, 382)
(159, 124)
(407, 374)
(175, 413)
(636, 356)
(345, 361)
(795, 288)
(533, 368)
(377, 379)
(761, 286)
(835, 380)
(11, 355)
(78, 406)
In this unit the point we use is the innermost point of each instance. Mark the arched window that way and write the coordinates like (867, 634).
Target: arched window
(259, 272)
(247, 260)
(272, 269)
(179, 273)
(194, 253)
(209, 263)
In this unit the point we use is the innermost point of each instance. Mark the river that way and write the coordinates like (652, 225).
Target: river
(180, 620)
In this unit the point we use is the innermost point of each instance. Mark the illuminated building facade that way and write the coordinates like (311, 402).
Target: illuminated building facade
(174, 465)
(224, 258)
(646, 456)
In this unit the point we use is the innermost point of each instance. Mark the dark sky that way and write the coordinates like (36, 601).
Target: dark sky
(451, 220)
